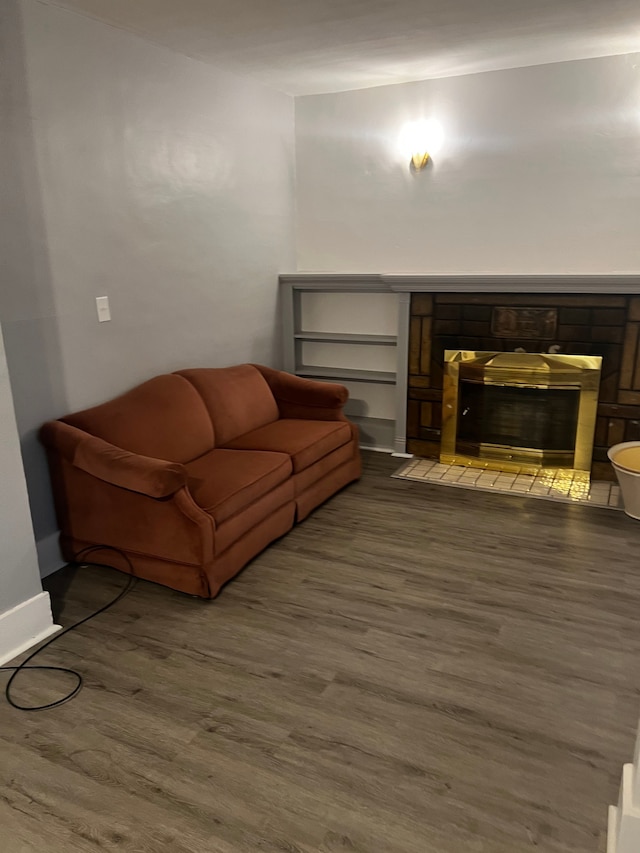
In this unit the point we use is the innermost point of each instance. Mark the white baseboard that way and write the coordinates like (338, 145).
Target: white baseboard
(623, 831)
(25, 625)
(612, 830)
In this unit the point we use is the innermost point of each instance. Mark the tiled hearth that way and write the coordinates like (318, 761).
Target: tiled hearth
(587, 324)
(548, 485)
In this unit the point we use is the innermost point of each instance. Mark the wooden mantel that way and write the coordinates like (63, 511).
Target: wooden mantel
(609, 283)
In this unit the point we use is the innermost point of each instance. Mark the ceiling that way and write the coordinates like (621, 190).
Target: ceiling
(313, 46)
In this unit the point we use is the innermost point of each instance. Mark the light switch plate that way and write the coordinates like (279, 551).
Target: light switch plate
(104, 312)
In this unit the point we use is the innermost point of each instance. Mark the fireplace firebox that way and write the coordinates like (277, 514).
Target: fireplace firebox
(519, 411)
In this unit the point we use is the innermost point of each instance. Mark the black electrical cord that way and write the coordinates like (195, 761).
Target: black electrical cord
(16, 670)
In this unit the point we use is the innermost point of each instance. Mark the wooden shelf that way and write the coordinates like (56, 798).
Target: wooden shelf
(345, 374)
(343, 338)
(366, 312)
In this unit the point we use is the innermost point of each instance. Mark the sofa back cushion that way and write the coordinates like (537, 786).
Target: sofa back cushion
(164, 418)
(238, 399)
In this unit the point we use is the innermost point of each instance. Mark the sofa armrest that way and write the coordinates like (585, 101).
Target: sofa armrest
(305, 398)
(155, 478)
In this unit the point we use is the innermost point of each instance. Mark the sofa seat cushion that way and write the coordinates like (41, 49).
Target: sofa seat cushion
(224, 482)
(304, 441)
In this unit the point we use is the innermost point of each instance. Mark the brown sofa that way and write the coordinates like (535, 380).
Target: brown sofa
(193, 473)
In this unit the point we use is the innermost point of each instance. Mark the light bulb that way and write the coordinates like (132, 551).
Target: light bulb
(420, 140)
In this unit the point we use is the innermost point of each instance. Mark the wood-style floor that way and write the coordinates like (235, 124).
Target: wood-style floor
(414, 669)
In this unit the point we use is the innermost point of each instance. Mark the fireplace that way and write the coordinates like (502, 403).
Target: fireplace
(590, 324)
(519, 411)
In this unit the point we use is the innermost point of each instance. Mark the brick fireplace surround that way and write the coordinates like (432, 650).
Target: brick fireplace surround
(587, 324)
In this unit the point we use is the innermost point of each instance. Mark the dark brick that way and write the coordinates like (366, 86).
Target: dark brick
(440, 344)
(615, 432)
(492, 345)
(577, 348)
(436, 372)
(602, 426)
(572, 333)
(413, 418)
(630, 398)
(541, 300)
(609, 388)
(448, 312)
(603, 471)
(608, 410)
(419, 381)
(470, 343)
(415, 340)
(479, 313)
(611, 356)
(425, 449)
(427, 434)
(421, 304)
(607, 334)
(425, 344)
(471, 327)
(608, 316)
(426, 411)
(426, 394)
(600, 454)
(446, 327)
(574, 316)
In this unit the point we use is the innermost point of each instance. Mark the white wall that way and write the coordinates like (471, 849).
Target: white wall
(145, 176)
(540, 172)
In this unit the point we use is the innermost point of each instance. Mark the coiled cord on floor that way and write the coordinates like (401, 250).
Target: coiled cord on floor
(16, 670)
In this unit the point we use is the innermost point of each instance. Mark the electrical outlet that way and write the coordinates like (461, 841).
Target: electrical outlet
(104, 312)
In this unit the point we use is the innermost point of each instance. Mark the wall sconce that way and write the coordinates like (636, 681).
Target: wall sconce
(419, 141)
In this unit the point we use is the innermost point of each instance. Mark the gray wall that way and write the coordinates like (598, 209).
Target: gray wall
(19, 578)
(538, 173)
(145, 176)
